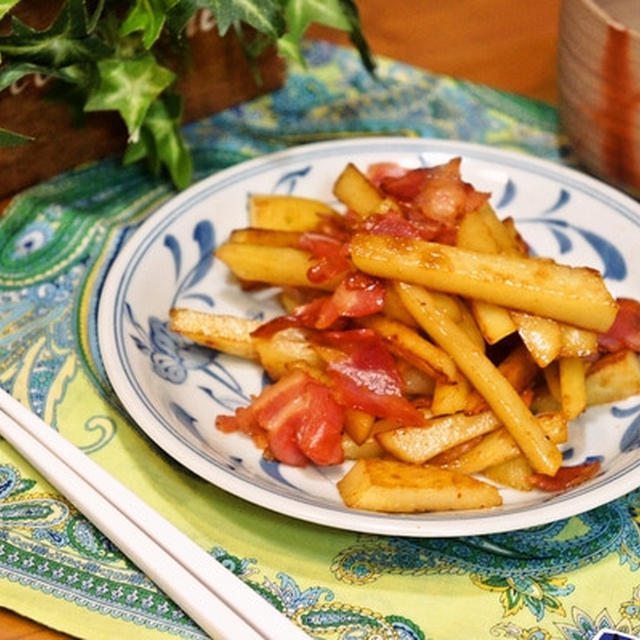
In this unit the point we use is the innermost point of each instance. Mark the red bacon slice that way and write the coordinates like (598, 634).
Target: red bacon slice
(395, 224)
(356, 296)
(301, 420)
(331, 253)
(367, 378)
(566, 477)
(438, 193)
(625, 331)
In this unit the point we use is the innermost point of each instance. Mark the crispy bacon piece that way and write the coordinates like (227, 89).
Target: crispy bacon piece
(356, 296)
(378, 171)
(367, 378)
(395, 224)
(625, 331)
(438, 193)
(566, 477)
(301, 420)
(331, 253)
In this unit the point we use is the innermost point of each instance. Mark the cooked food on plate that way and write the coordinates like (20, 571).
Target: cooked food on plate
(420, 338)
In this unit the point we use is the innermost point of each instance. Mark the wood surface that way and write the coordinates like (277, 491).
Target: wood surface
(505, 44)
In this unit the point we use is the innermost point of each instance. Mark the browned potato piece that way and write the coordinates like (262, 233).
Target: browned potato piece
(450, 397)
(576, 295)
(578, 343)
(358, 425)
(541, 336)
(517, 367)
(614, 377)
(357, 192)
(407, 343)
(573, 391)
(494, 322)
(278, 266)
(276, 353)
(287, 213)
(498, 446)
(419, 444)
(515, 474)
(370, 448)
(265, 237)
(485, 377)
(225, 333)
(396, 487)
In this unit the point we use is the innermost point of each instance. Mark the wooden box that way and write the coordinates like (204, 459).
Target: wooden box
(214, 76)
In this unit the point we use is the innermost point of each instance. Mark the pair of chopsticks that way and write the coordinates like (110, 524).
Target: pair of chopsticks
(219, 602)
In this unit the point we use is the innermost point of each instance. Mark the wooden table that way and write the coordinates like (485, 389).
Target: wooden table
(494, 42)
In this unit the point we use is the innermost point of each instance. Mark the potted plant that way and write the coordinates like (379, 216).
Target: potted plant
(127, 57)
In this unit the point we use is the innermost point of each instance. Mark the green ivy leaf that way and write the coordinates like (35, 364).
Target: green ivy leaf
(299, 14)
(161, 141)
(149, 17)
(336, 14)
(129, 86)
(12, 72)
(264, 16)
(12, 139)
(6, 6)
(66, 41)
(180, 14)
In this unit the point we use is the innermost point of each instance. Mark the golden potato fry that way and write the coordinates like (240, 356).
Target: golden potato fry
(225, 333)
(541, 336)
(614, 377)
(278, 266)
(573, 390)
(368, 449)
(276, 353)
(518, 243)
(474, 234)
(408, 344)
(517, 367)
(502, 232)
(419, 444)
(357, 192)
(265, 237)
(391, 486)
(498, 446)
(358, 425)
(494, 322)
(515, 473)
(576, 295)
(450, 397)
(544, 402)
(576, 342)
(286, 212)
(448, 455)
(485, 377)
(416, 382)
(551, 376)
(232, 335)
(394, 309)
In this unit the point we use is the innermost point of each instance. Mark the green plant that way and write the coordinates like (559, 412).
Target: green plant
(108, 56)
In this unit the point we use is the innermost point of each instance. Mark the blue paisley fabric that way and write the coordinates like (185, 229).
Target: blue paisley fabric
(564, 581)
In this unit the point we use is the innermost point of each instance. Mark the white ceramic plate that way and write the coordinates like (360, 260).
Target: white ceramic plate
(174, 390)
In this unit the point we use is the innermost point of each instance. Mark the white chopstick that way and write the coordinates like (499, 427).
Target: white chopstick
(219, 602)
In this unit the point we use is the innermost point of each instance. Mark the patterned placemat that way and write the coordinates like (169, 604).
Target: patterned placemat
(563, 581)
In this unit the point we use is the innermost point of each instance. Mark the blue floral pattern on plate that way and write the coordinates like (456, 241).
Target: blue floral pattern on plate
(174, 389)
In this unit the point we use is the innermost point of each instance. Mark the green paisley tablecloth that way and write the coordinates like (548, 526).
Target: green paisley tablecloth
(563, 581)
